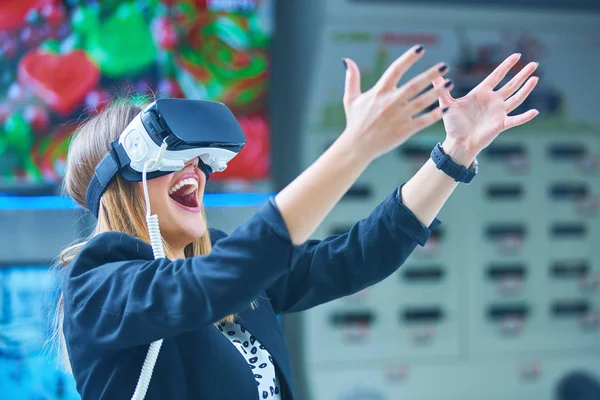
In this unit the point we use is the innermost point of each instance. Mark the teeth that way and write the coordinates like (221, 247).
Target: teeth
(191, 190)
(186, 182)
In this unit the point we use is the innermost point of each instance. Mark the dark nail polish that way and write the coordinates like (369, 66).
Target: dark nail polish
(443, 68)
(345, 64)
(419, 49)
(445, 109)
(448, 84)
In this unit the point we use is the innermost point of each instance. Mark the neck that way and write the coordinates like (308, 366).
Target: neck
(176, 247)
(179, 253)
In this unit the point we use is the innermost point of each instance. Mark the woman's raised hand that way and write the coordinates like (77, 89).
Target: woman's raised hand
(377, 121)
(386, 116)
(475, 120)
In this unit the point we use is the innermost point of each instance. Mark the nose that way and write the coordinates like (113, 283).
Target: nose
(193, 162)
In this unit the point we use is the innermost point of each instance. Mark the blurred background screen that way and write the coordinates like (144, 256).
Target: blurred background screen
(62, 61)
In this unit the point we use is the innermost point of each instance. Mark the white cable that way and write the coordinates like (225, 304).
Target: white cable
(159, 252)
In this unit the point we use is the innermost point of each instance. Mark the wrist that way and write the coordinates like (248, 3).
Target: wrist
(351, 149)
(459, 152)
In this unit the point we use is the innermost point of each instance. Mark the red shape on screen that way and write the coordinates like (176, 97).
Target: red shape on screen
(164, 33)
(54, 14)
(61, 81)
(13, 12)
(253, 161)
(200, 5)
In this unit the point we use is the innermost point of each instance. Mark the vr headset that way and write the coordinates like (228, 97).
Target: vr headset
(190, 128)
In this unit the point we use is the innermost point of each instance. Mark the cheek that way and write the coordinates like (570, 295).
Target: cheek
(157, 190)
(202, 178)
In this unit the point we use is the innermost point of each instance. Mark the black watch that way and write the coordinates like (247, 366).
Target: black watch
(457, 172)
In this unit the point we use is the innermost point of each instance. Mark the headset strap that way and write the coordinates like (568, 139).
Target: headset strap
(105, 172)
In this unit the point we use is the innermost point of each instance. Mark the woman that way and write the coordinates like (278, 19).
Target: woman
(215, 298)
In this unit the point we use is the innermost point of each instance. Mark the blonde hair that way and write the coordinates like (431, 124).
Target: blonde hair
(122, 208)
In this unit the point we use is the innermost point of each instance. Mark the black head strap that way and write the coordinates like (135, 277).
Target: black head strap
(105, 172)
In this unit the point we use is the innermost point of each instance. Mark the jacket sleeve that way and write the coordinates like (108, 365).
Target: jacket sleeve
(119, 301)
(341, 265)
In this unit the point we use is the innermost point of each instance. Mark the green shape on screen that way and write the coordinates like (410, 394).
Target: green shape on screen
(85, 19)
(230, 31)
(166, 63)
(19, 136)
(3, 142)
(50, 46)
(258, 36)
(122, 45)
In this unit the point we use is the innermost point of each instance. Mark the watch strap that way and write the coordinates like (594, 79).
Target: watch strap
(456, 171)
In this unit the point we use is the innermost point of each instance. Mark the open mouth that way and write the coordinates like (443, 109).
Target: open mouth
(185, 193)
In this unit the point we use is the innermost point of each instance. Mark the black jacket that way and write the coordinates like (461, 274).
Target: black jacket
(118, 299)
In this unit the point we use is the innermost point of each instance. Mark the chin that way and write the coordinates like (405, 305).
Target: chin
(188, 223)
(196, 231)
(180, 233)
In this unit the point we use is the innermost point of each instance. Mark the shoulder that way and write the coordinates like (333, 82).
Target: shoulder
(116, 246)
(111, 247)
(106, 248)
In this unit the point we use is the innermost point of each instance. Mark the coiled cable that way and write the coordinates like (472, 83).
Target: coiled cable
(159, 252)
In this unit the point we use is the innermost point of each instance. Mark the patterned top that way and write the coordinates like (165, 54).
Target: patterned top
(258, 358)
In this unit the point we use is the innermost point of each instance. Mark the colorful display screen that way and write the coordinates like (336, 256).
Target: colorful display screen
(64, 60)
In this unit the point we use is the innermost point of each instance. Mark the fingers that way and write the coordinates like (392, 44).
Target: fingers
(420, 82)
(515, 83)
(500, 72)
(427, 119)
(352, 85)
(391, 76)
(428, 98)
(445, 97)
(518, 99)
(511, 122)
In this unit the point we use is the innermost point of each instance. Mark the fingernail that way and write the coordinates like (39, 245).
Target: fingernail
(537, 64)
(345, 63)
(449, 83)
(419, 49)
(443, 68)
(445, 109)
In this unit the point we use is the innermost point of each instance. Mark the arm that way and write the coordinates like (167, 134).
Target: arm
(341, 265)
(378, 121)
(472, 123)
(338, 266)
(428, 190)
(117, 296)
